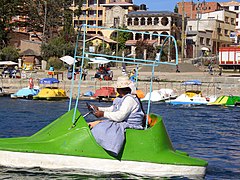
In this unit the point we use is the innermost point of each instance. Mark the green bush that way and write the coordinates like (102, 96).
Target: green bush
(9, 53)
(55, 62)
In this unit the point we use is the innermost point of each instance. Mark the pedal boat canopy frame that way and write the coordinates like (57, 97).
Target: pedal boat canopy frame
(87, 55)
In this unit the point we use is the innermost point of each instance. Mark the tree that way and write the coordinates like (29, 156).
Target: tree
(121, 37)
(8, 9)
(57, 47)
(9, 53)
(176, 9)
(141, 46)
(48, 16)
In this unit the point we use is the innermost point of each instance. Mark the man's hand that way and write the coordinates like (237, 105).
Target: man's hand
(95, 107)
(92, 124)
(92, 107)
(99, 114)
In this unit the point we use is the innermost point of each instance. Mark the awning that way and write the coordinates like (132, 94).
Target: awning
(205, 49)
(8, 63)
(48, 81)
(192, 82)
(99, 60)
(68, 59)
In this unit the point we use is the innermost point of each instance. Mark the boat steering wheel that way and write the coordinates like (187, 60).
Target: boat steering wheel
(90, 107)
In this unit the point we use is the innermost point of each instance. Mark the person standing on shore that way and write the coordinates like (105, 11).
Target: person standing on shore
(177, 69)
(220, 71)
(210, 68)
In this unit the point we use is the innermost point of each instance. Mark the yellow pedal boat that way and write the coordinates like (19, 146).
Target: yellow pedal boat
(50, 92)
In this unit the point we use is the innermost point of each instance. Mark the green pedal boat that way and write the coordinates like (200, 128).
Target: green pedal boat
(63, 146)
(68, 144)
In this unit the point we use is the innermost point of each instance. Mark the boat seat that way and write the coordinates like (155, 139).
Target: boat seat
(152, 120)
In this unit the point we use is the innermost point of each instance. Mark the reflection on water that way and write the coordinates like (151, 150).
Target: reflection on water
(210, 133)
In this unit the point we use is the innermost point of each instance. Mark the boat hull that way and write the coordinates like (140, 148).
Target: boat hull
(25, 93)
(63, 142)
(189, 98)
(186, 103)
(51, 94)
(82, 164)
(161, 95)
(226, 101)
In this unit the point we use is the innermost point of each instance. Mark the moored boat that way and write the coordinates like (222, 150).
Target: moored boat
(160, 95)
(105, 93)
(192, 97)
(50, 92)
(27, 92)
(4, 92)
(226, 101)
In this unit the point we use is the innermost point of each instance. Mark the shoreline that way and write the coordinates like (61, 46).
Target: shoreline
(227, 84)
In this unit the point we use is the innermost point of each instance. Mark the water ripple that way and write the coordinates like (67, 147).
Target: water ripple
(208, 132)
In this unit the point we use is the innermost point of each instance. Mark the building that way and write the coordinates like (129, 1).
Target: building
(234, 6)
(116, 13)
(150, 25)
(154, 23)
(212, 31)
(192, 10)
(17, 20)
(106, 13)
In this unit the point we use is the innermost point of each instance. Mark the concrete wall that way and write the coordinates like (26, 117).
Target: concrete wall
(211, 84)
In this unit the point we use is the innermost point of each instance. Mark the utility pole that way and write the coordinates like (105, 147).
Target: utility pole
(183, 30)
(198, 14)
(199, 6)
(45, 20)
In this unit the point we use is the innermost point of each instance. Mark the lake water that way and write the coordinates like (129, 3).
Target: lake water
(210, 133)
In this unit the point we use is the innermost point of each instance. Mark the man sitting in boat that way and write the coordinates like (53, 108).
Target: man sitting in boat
(126, 112)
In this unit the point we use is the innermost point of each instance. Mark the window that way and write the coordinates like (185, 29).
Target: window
(129, 21)
(226, 20)
(156, 21)
(236, 7)
(91, 2)
(143, 21)
(208, 42)
(116, 22)
(102, 1)
(190, 28)
(100, 23)
(164, 21)
(149, 21)
(201, 40)
(226, 32)
(232, 21)
(136, 22)
(92, 13)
